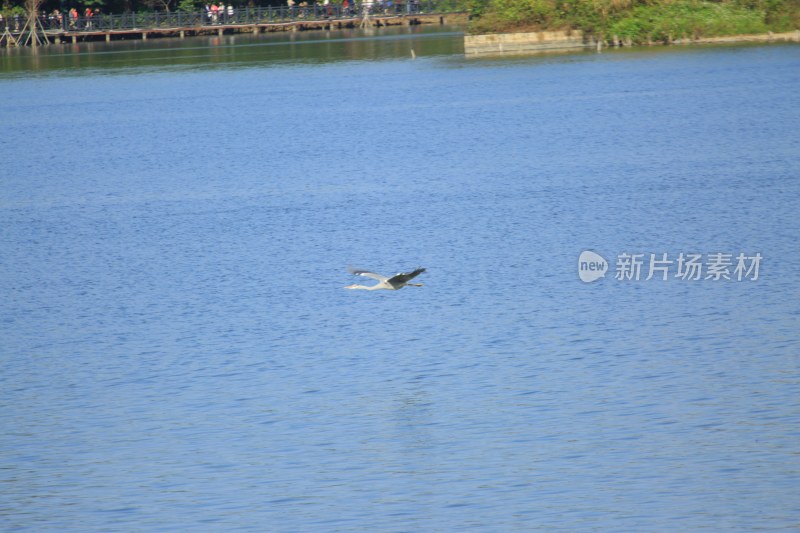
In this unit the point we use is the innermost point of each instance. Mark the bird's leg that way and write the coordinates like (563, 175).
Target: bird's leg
(415, 284)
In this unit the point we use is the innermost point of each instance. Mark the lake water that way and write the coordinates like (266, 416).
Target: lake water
(177, 351)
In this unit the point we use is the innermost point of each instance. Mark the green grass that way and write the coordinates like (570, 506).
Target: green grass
(640, 21)
(688, 18)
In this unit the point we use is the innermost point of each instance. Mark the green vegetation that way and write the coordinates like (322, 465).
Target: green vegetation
(639, 21)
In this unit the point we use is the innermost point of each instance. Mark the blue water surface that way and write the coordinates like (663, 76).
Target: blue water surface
(177, 351)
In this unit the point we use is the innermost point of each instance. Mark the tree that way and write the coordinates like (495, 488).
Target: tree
(158, 4)
(187, 6)
(33, 32)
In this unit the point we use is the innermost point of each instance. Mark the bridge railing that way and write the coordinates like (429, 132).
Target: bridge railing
(244, 16)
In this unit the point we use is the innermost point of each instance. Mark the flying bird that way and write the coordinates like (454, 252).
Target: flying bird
(398, 281)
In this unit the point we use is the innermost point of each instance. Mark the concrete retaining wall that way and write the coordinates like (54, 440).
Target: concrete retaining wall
(540, 41)
(554, 41)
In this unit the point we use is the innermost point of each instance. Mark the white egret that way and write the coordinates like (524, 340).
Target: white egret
(398, 281)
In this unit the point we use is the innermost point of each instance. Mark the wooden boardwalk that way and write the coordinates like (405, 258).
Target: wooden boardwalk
(222, 29)
(118, 27)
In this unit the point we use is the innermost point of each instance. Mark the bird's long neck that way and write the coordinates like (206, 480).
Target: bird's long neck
(366, 287)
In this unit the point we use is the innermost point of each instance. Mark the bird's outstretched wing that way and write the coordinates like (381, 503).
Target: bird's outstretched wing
(404, 277)
(367, 273)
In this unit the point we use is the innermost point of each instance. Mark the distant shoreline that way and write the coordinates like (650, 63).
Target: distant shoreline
(629, 22)
(788, 36)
